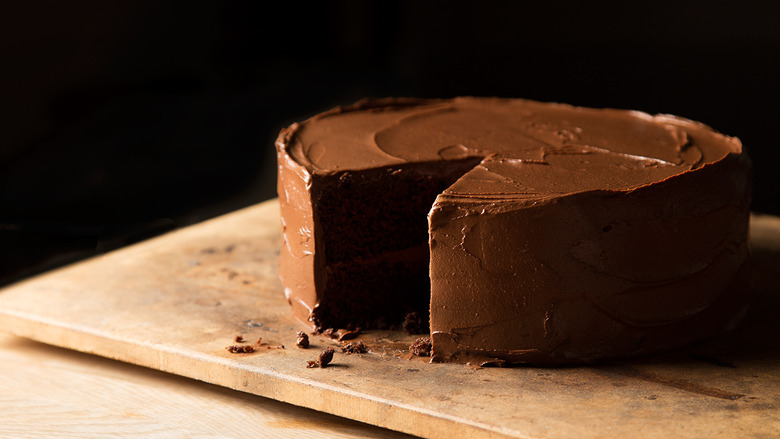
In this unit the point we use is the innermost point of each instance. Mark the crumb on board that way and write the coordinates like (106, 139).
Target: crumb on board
(421, 347)
(239, 338)
(244, 349)
(302, 341)
(325, 357)
(354, 348)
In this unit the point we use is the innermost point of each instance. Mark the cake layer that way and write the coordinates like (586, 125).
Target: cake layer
(335, 223)
(558, 233)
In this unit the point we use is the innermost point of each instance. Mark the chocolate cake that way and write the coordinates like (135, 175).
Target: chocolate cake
(527, 231)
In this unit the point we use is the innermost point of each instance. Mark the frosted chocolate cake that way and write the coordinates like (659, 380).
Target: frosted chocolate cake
(527, 231)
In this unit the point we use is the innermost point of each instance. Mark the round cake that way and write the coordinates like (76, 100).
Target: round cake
(528, 232)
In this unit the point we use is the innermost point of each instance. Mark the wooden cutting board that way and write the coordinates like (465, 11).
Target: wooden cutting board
(174, 303)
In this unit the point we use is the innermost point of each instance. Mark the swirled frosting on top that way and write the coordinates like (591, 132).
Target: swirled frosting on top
(619, 149)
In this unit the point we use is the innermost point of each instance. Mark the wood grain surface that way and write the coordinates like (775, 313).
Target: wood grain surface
(50, 392)
(174, 303)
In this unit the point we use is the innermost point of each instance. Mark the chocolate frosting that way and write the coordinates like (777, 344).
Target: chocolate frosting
(371, 135)
(581, 234)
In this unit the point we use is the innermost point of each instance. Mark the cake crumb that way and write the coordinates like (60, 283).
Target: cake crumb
(302, 341)
(236, 349)
(414, 324)
(354, 348)
(325, 357)
(421, 347)
(239, 339)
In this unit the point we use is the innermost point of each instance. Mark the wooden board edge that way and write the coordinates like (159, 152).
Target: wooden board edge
(304, 393)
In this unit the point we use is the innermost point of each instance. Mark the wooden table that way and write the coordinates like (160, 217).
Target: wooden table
(175, 302)
(51, 392)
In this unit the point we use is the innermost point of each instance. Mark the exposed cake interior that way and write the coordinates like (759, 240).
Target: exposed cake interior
(374, 232)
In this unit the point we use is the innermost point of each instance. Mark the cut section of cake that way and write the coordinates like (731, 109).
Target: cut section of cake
(529, 232)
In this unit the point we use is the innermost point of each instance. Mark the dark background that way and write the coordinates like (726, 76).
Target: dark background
(122, 121)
